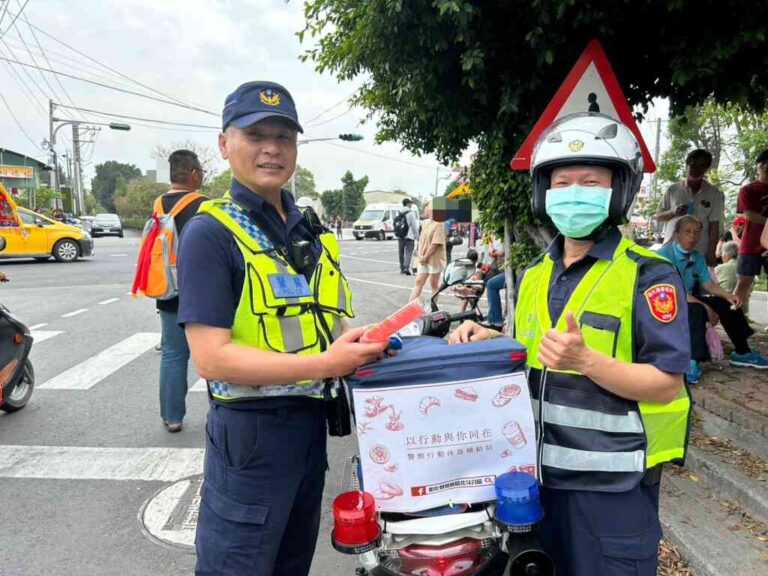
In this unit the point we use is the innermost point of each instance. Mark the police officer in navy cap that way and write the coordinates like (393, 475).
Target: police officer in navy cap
(605, 325)
(264, 305)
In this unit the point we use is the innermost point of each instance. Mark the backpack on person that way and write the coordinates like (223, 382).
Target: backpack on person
(400, 224)
(156, 267)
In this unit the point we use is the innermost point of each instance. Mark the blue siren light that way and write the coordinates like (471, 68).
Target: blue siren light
(517, 500)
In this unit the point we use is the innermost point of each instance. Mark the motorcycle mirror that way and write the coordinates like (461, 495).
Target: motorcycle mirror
(2, 243)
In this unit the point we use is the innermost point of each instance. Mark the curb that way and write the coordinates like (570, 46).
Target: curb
(731, 412)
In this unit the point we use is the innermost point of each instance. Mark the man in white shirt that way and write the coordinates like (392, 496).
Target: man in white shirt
(406, 243)
(695, 196)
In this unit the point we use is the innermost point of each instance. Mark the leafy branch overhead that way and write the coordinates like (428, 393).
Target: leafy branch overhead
(439, 74)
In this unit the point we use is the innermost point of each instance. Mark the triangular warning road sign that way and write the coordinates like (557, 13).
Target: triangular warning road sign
(591, 85)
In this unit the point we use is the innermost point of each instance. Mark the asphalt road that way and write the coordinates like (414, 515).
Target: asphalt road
(78, 464)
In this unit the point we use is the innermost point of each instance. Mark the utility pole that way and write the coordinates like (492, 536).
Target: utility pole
(77, 192)
(656, 157)
(52, 142)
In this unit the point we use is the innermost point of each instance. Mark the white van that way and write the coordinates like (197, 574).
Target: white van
(376, 221)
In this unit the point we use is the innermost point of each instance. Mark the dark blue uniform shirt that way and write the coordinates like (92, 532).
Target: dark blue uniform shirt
(664, 345)
(211, 269)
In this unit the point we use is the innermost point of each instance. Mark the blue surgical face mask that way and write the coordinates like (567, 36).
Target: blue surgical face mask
(576, 211)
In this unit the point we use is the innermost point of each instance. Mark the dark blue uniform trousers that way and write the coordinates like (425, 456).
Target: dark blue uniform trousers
(262, 491)
(601, 533)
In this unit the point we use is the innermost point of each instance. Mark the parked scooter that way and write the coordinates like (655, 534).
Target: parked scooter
(17, 377)
(496, 538)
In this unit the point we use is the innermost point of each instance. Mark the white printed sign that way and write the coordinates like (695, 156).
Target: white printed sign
(429, 445)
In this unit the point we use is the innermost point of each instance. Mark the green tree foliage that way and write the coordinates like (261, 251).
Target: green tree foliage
(442, 73)
(348, 202)
(138, 198)
(305, 183)
(219, 186)
(104, 184)
(735, 135)
(42, 199)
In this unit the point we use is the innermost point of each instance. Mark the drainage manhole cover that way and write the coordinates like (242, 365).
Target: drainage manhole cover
(170, 516)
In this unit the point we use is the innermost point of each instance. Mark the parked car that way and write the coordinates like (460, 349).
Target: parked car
(87, 222)
(44, 237)
(107, 224)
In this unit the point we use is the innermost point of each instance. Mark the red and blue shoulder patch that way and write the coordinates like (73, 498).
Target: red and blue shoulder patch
(662, 301)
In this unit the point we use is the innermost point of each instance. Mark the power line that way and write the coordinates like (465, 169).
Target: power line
(45, 56)
(324, 122)
(391, 158)
(125, 76)
(131, 92)
(101, 113)
(324, 112)
(15, 17)
(5, 10)
(16, 120)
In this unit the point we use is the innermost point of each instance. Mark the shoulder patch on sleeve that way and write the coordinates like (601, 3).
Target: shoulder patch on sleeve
(662, 301)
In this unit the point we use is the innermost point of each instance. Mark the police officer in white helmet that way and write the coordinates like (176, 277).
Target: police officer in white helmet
(604, 322)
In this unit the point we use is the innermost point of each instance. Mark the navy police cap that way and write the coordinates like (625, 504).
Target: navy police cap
(254, 101)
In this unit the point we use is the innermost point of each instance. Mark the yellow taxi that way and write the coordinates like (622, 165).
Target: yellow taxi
(45, 238)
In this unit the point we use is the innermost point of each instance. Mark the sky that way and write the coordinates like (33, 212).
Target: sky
(197, 51)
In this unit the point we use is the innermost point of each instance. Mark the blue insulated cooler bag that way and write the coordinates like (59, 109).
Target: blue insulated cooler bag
(426, 360)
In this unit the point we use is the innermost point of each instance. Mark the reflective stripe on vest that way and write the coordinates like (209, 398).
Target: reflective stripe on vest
(304, 324)
(572, 412)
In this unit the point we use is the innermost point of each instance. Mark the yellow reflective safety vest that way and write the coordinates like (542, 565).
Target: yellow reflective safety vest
(279, 310)
(588, 437)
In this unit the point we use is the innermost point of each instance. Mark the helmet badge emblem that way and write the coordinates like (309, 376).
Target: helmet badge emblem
(575, 145)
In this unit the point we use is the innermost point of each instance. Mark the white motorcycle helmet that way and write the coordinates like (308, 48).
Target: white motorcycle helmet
(588, 138)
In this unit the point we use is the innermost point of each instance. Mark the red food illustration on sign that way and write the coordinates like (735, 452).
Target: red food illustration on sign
(505, 395)
(374, 407)
(528, 469)
(427, 403)
(506, 454)
(391, 467)
(379, 454)
(387, 491)
(513, 432)
(394, 424)
(466, 393)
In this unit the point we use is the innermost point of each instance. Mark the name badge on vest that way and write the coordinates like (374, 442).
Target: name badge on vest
(289, 285)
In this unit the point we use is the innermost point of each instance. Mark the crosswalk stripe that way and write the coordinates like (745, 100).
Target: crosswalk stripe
(38, 326)
(74, 313)
(43, 335)
(108, 301)
(199, 386)
(91, 371)
(91, 463)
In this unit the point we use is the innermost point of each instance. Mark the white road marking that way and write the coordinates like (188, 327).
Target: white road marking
(118, 255)
(38, 326)
(199, 386)
(75, 313)
(382, 284)
(90, 463)
(93, 370)
(43, 335)
(108, 301)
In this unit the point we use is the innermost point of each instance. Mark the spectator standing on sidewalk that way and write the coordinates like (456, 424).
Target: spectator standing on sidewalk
(695, 196)
(753, 203)
(431, 256)
(186, 178)
(339, 232)
(405, 243)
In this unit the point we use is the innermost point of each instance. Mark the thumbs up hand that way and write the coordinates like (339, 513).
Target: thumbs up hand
(564, 350)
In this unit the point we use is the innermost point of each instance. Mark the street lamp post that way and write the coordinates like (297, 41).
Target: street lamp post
(76, 125)
(345, 137)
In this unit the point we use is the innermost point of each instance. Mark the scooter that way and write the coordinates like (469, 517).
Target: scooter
(456, 540)
(17, 377)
